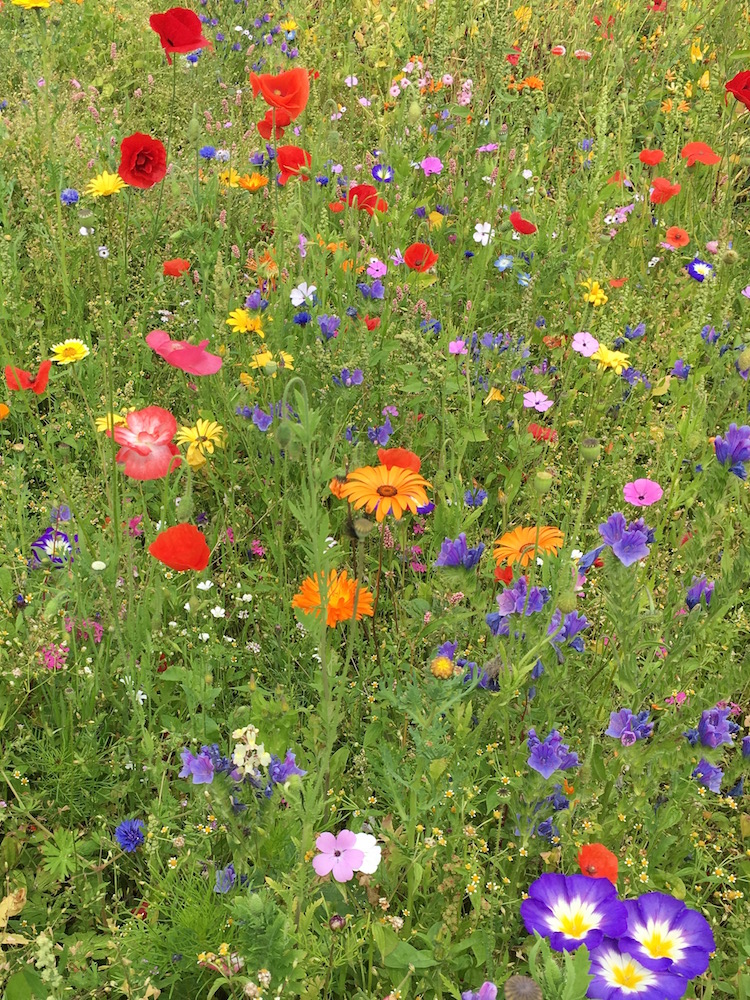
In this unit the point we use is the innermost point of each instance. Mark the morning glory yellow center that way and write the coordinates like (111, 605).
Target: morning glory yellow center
(630, 976)
(575, 918)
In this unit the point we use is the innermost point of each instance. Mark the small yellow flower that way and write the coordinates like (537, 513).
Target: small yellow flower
(695, 51)
(614, 360)
(109, 421)
(104, 185)
(201, 441)
(704, 80)
(289, 25)
(248, 381)
(172, 862)
(264, 361)
(493, 396)
(689, 89)
(436, 220)
(523, 16)
(595, 294)
(32, 4)
(242, 322)
(229, 178)
(253, 182)
(69, 351)
(223, 948)
(442, 668)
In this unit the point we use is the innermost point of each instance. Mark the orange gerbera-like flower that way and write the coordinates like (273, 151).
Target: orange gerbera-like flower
(343, 601)
(385, 490)
(521, 544)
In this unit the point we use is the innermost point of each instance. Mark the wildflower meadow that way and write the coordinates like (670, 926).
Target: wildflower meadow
(374, 442)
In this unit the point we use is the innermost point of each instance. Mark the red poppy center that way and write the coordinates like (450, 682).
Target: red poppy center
(386, 490)
(591, 869)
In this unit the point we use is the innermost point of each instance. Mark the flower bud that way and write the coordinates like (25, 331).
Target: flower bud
(590, 450)
(415, 112)
(283, 434)
(438, 480)
(502, 497)
(567, 601)
(522, 988)
(743, 360)
(542, 483)
(270, 368)
(337, 922)
(731, 257)
(334, 138)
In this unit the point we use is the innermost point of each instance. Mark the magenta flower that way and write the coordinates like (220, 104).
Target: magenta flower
(191, 358)
(585, 344)
(642, 492)
(338, 856)
(431, 165)
(457, 347)
(537, 401)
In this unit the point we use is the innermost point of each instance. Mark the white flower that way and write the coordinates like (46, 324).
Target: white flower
(103, 253)
(483, 233)
(204, 636)
(371, 850)
(576, 554)
(302, 293)
(98, 566)
(218, 612)
(246, 598)
(527, 175)
(186, 606)
(140, 697)
(204, 585)
(85, 231)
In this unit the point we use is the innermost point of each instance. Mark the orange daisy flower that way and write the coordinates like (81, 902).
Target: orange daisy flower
(339, 600)
(391, 491)
(521, 545)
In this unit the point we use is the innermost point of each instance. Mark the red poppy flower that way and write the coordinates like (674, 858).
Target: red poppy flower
(699, 152)
(288, 91)
(553, 342)
(179, 30)
(558, 50)
(372, 322)
(503, 574)
(676, 237)
(617, 282)
(17, 378)
(540, 433)
(420, 257)
(281, 118)
(364, 197)
(662, 190)
(618, 177)
(146, 450)
(514, 56)
(400, 458)
(651, 156)
(739, 87)
(596, 861)
(292, 161)
(143, 160)
(181, 547)
(521, 225)
(175, 267)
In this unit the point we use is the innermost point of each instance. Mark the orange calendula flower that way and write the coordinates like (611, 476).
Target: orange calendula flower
(521, 545)
(385, 491)
(336, 485)
(343, 599)
(252, 182)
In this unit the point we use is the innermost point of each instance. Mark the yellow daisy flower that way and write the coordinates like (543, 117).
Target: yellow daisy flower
(241, 321)
(614, 360)
(69, 351)
(109, 421)
(201, 441)
(104, 185)
(32, 4)
(595, 294)
(230, 178)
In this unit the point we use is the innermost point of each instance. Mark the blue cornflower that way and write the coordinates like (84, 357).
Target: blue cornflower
(207, 152)
(329, 326)
(322, 180)
(734, 449)
(129, 834)
(301, 318)
(347, 379)
(549, 755)
(475, 498)
(504, 262)
(457, 553)
(380, 172)
(708, 775)
(69, 196)
(680, 370)
(194, 56)
(629, 728)
(699, 269)
(701, 587)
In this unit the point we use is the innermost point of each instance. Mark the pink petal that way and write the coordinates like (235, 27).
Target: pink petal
(326, 842)
(346, 840)
(323, 863)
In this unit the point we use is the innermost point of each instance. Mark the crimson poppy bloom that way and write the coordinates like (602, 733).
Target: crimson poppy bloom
(143, 160)
(17, 378)
(292, 160)
(274, 118)
(662, 189)
(401, 458)
(676, 237)
(147, 451)
(289, 91)
(595, 861)
(372, 322)
(175, 267)
(503, 574)
(521, 225)
(617, 282)
(514, 56)
(699, 152)
(739, 87)
(179, 30)
(651, 157)
(364, 197)
(181, 547)
(420, 257)
(618, 177)
(540, 433)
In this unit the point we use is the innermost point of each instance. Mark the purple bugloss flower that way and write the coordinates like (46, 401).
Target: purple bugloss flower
(487, 991)
(708, 775)
(458, 553)
(627, 541)
(200, 768)
(572, 625)
(347, 379)
(550, 755)
(381, 435)
(280, 771)
(329, 326)
(572, 910)
(225, 878)
(681, 370)
(701, 588)
(513, 599)
(613, 968)
(714, 728)
(629, 728)
(338, 855)
(129, 834)
(261, 419)
(734, 449)
(665, 935)
(746, 746)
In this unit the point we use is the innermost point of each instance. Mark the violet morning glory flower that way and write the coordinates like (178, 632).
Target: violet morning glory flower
(573, 910)
(665, 935)
(612, 966)
(708, 775)
(549, 755)
(381, 435)
(734, 449)
(457, 553)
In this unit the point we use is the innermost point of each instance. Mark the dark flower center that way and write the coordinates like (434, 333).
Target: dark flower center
(386, 490)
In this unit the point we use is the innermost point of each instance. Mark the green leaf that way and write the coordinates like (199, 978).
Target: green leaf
(25, 985)
(405, 955)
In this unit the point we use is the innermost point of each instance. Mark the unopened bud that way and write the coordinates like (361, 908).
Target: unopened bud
(438, 480)
(743, 360)
(731, 257)
(270, 368)
(337, 922)
(415, 112)
(590, 450)
(542, 483)
(334, 138)
(567, 601)
(283, 434)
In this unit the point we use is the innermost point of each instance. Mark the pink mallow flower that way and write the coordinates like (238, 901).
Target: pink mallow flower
(339, 856)
(642, 492)
(457, 347)
(585, 344)
(147, 451)
(431, 165)
(537, 401)
(191, 358)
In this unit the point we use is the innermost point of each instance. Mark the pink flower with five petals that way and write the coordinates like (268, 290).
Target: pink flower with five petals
(338, 856)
